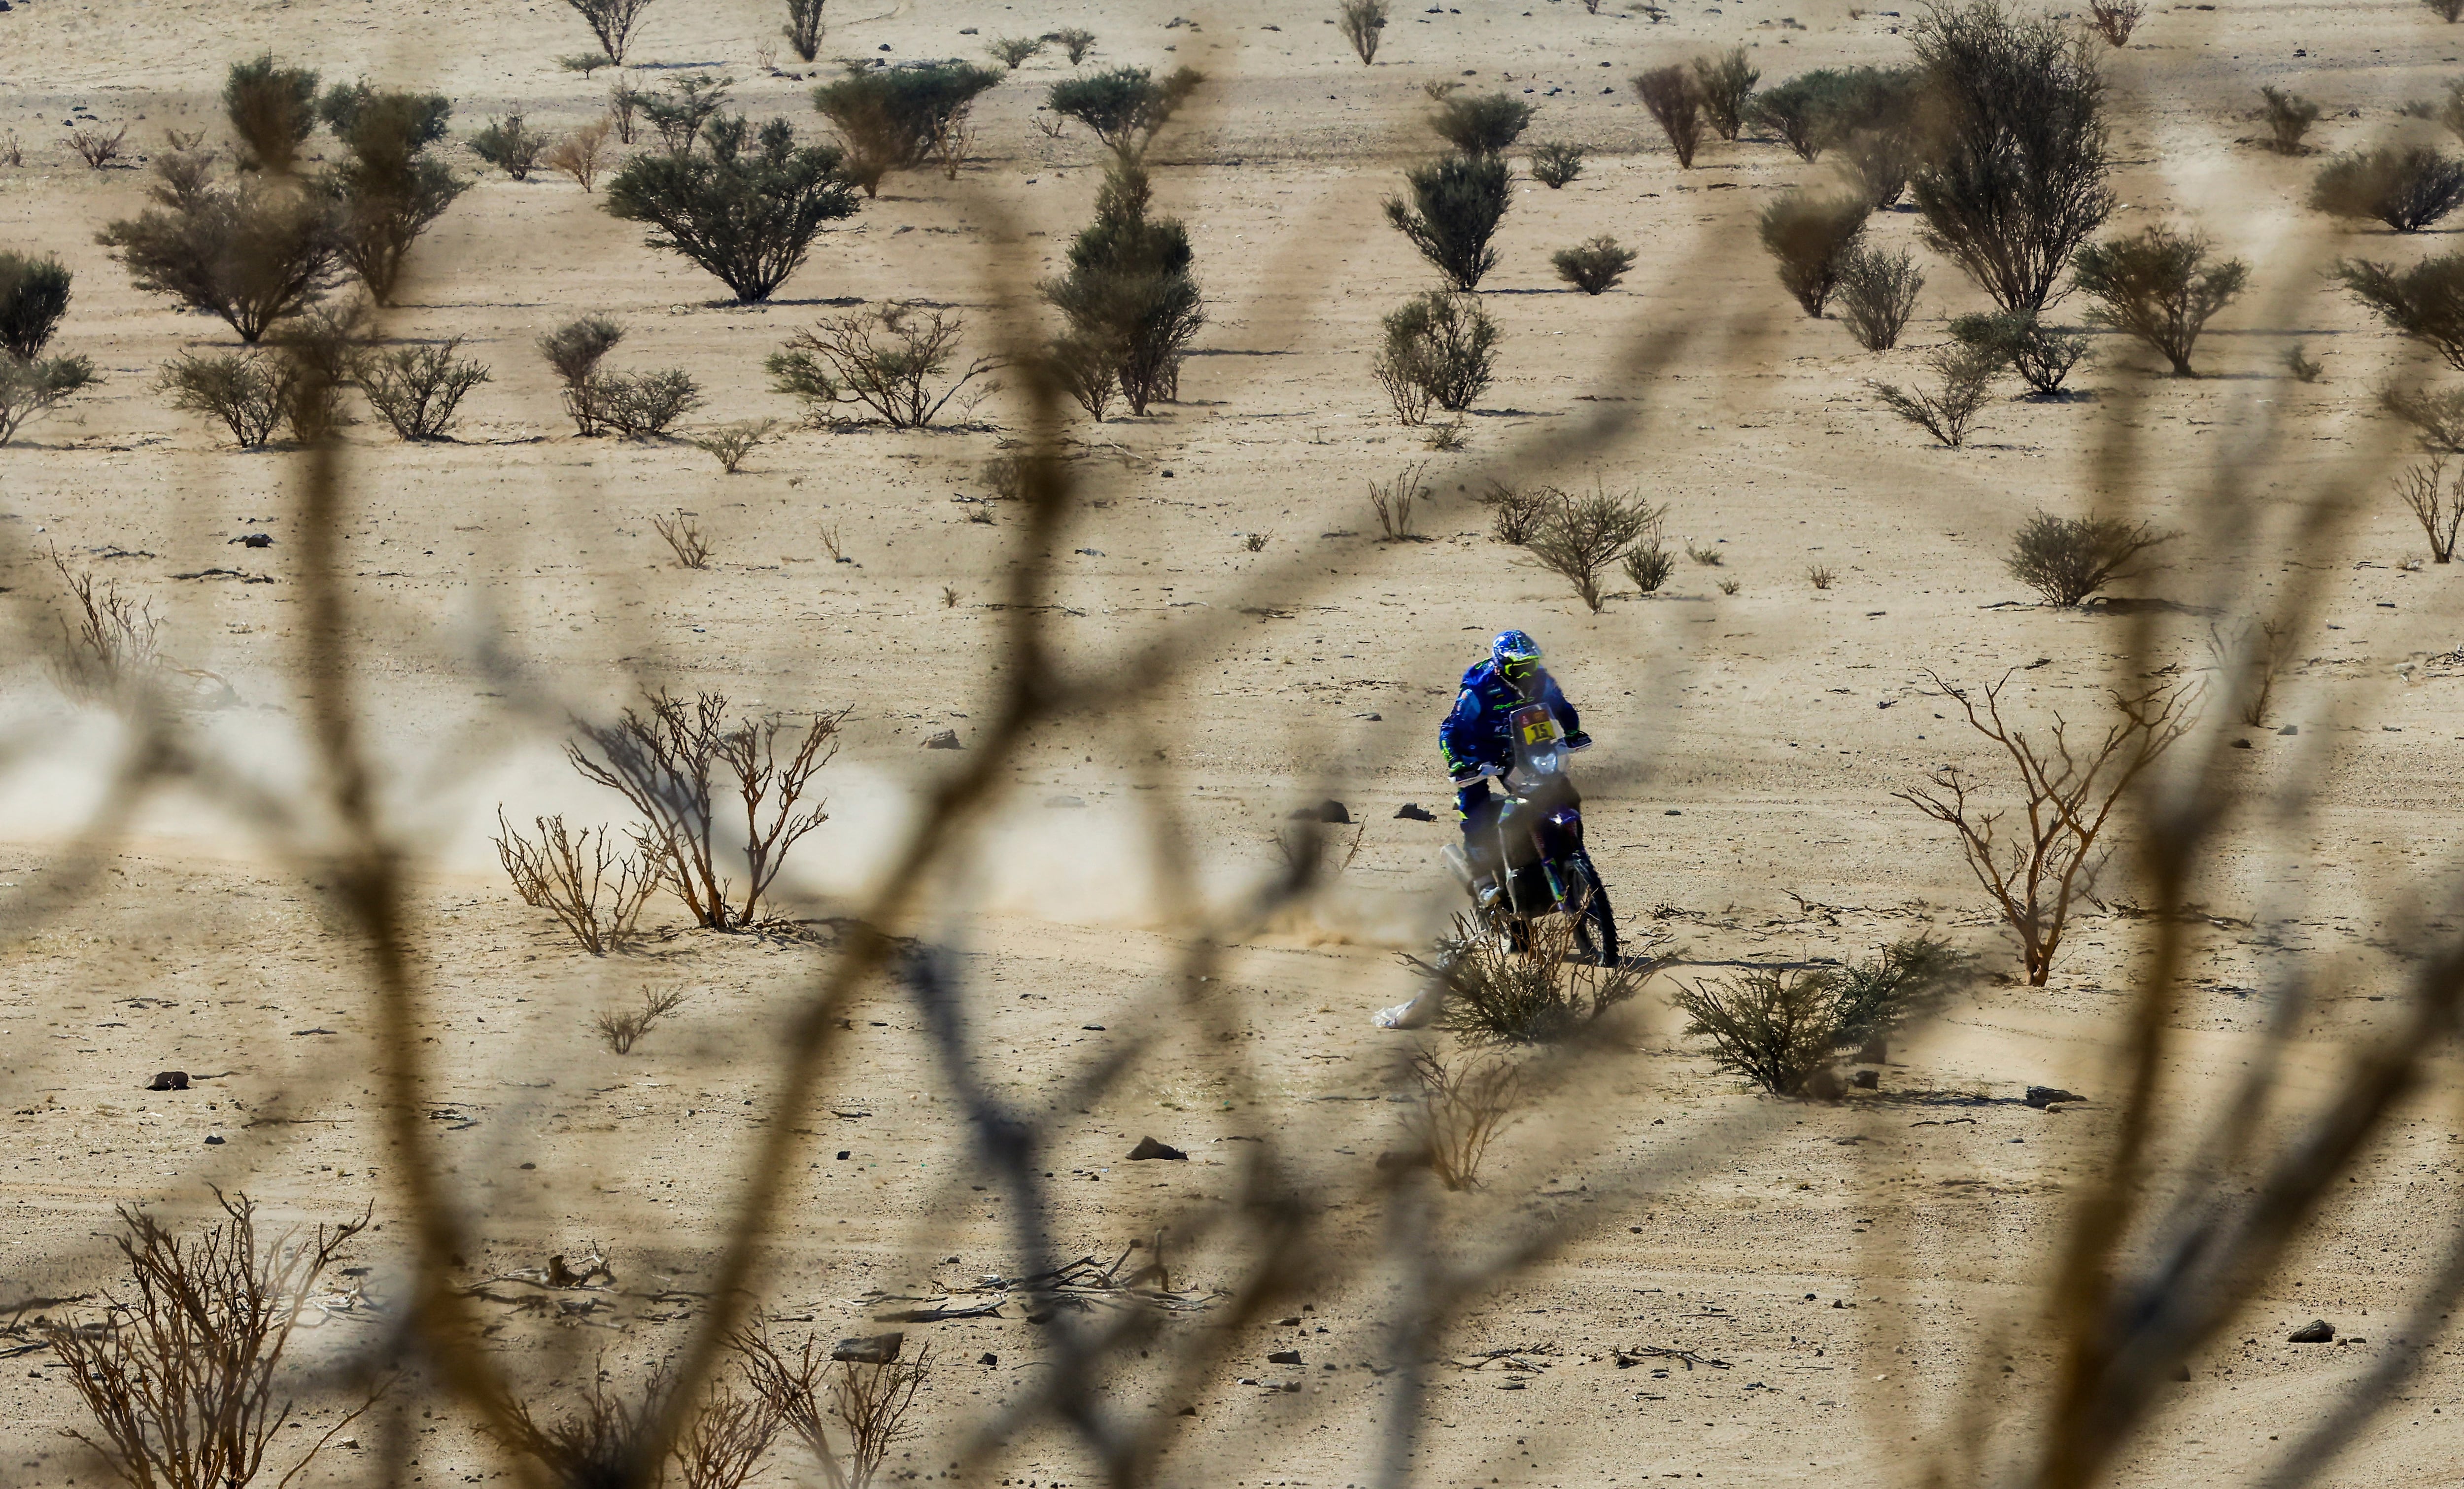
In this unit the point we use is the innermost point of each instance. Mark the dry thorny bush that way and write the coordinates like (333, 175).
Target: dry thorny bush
(2161, 1252)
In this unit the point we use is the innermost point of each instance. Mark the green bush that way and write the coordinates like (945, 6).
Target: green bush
(679, 113)
(2425, 301)
(1126, 107)
(1441, 349)
(2041, 354)
(1594, 267)
(1810, 236)
(32, 387)
(1648, 564)
(1075, 40)
(250, 249)
(746, 209)
(891, 117)
(1966, 386)
(573, 352)
(1782, 1028)
(388, 189)
(1452, 215)
(642, 405)
(1481, 125)
(416, 389)
(1815, 111)
(804, 28)
(1010, 50)
(2158, 286)
(2289, 117)
(1557, 162)
(2408, 187)
(2066, 559)
(1726, 85)
(1877, 291)
(272, 109)
(612, 22)
(1132, 303)
(1674, 100)
(252, 393)
(511, 147)
(33, 296)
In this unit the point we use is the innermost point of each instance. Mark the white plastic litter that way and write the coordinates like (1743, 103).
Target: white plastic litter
(1402, 1015)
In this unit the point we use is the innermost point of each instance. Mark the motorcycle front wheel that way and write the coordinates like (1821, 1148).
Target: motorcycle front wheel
(1595, 932)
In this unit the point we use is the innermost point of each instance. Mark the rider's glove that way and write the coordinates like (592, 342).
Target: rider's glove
(1579, 739)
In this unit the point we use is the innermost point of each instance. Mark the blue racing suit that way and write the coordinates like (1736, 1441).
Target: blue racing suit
(1475, 737)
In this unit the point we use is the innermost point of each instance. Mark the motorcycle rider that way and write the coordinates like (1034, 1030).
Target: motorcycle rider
(1475, 738)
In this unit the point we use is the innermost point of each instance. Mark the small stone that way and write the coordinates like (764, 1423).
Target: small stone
(169, 1080)
(1672, 812)
(255, 540)
(1149, 1147)
(213, 1140)
(2241, 743)
(843, 1155)
(874, 1350)
(1283, 1357)
(1868, 1080)
(947, 739)
(2317, 1332)
(2290, 728)
(1193, 1411)
(1064, 800)
(1167, 474)
(1414, 812)
(967, 30)
(2042, 1097)
(1327, 810)
(988, 1359)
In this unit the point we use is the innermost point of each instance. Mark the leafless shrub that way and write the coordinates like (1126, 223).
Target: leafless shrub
(2252, 659)
(2114, 19)
(184, 1378)
(2300, 367)
(594, 888)
(417, 389)
(893, 358)
(1440, 349)
(252, 393)
(1580, 538)
(870, 1404)
(12, 153)
(1728, 585)
(729, 1434)
(624, 1028)
(1877, 293)
(110, 642)
(1392, 501)
(730, 443)
(2437, 417)
(803, 28)
(1675, 99)
(97, 149)
(2066, 559)
(606, 1442)
(2437, 503)
(1461, 1105)
(685, 539)
(951, 144)
(2035, 875)
(1515, 512)
(612, 22)
(2289, 117)
(1967, 375)
(1363, 24)
(623, 101)
(1783, 1029)
(1496, 988)
(1451, 435)
(1822, 576)
(581, 153)
(1709, 555)
(669, 763)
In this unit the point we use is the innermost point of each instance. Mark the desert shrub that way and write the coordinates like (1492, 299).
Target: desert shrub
(623, 102)
(1815, 111)
(272, 109)
(1674, 98)
(1557, 162)
(510, 145)
(594, 887)
(1515, 512)
(184, 1379)
(2015, 183)
(1075, 40)
(2300, 367)
(2114, 19)
(730, 443)
(1580, 538)
(1363, 24)
(1132, 303)
(1126, 107)
(1822, 576)
(1648, 563)
(1493, 993)
(642, 405)
(33, 296)
(1966, 374)
(2041, 354)
(893, 358)
(1011, 51)
(1799, 112)
(2035, 866)
(2447, 10)
(623, 1028)
(746, 209)
(1392, 501)
(1877, 291)
(34, 386)
(97, 149)
(1811, 236)
(2448, 111)
(250, 249)
(893, 118)
(2066, 559)
(2425, 301)
(1726, 85)
(2437, 417)
(668, 762)
(250, 391)
(1082, 366)
(2159, 287)
(1594, 267)
(2405, 187)
(679, 113)
(1440, 347)
(2437, 503)
(804, 28)
(1481, 125)
(684, 539)
(389, 189)
(573, 352)
(1782, 1028)
(416, 389)
(1452, 214)
(1461, 1105)
(2289, 117)
(1706, 554)
(581, 155)
(584, 62)
(110, 642)
(612, 22)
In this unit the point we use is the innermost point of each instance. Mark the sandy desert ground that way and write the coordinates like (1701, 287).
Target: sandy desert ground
(1857, 1267)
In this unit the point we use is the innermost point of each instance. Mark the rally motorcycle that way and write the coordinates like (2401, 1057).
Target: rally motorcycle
(1531, 862)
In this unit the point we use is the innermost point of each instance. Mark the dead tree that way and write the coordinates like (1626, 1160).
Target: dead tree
(2072, 791)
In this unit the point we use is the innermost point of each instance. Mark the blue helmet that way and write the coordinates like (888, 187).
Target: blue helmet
(1517, 658)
